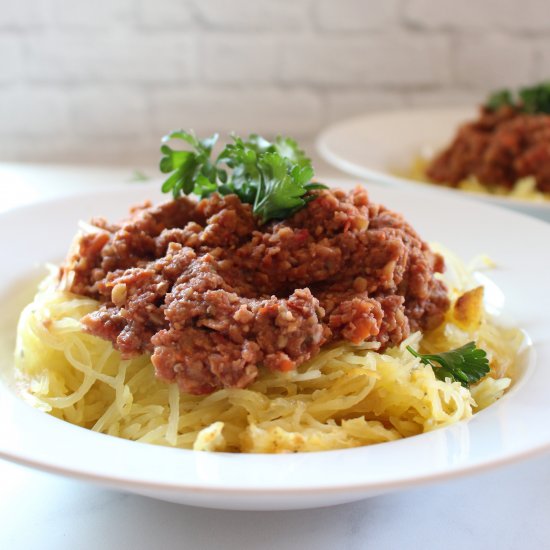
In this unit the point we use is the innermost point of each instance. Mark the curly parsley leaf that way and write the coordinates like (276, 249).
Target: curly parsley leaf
(467, 364)
(536, 99)
(186, 166)
(499, 99)
(531, 99)
(289, 149)
(242, 158)
(275, 177)
(282, 187)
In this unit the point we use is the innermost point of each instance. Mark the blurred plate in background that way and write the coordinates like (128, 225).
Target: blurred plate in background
(379, 146)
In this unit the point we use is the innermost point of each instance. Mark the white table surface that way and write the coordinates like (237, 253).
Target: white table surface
(508, 508)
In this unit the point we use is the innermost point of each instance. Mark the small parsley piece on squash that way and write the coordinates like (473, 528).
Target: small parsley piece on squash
(467, 364)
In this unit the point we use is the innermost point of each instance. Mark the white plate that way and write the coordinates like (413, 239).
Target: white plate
(376, 146)
(515, 427)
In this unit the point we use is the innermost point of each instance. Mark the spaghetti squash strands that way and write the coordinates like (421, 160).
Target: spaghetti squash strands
(523, 189)
(347, 396)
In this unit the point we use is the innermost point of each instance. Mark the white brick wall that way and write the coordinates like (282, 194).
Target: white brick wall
(121, 56)
(108, 111)
(488, 15)
(356, 15)
(251, 109)
(494, 60)
(101, 81)
(253, 15)
(237, 59)
(32, 113)
(11, 59)
(392, 58)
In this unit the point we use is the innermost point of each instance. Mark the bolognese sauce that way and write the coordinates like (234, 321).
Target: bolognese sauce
(212, 294)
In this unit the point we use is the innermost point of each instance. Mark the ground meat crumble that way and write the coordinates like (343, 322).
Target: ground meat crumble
(213, 295)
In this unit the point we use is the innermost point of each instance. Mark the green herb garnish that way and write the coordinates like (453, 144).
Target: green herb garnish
(275, 177)
(500, 99)
(186, 167)
(138, 175)
(536, 99)
(531, 100)
(467, 364)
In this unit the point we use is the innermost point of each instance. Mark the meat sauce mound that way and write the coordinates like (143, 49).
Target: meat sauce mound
(498, 148)
(213, 295)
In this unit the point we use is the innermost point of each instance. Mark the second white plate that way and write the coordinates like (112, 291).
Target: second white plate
(379, 145)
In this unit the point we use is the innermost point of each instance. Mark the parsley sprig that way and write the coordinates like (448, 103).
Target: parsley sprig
(275, 177)
(467, 364)
(531, 99)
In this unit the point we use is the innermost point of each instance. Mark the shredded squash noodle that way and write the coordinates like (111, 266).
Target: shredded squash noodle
(523, 189)
(347, 396)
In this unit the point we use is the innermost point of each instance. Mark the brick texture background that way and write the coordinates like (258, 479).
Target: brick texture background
(100, 81)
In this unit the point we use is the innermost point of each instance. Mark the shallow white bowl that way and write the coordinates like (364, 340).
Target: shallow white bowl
(379, 145)
(515, 427)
